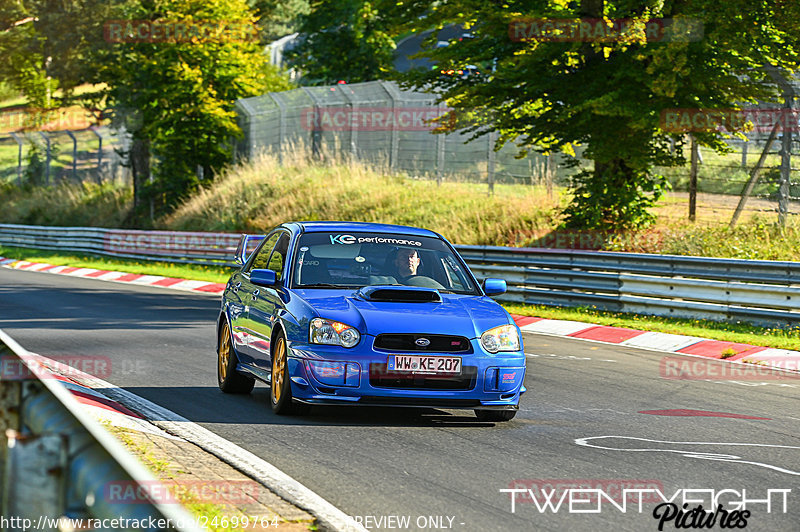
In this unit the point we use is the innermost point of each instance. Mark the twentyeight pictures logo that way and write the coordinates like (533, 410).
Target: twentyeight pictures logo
(682, 508)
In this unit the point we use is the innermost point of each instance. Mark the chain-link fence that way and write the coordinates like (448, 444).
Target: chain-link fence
(382, 124)
(722, 179)
(49, 157)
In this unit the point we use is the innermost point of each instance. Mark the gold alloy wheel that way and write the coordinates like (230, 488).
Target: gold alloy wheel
(224, 353)
(278, 365)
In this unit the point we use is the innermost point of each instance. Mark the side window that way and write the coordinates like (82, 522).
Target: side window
(278, 257)
(261, 260)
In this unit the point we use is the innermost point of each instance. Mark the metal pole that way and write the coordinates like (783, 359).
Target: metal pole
(786, 164)
(47, 141)
(281, 125)
(440, 140)
(99, 154)
(744, 154)
(751, 183)
(491, 161)
(74, 154)
(693, 182)
(19, 157)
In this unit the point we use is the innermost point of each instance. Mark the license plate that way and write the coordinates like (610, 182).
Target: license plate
(425, 364)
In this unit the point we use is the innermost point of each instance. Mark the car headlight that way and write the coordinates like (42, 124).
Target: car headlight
(503, 338)
(329, 332)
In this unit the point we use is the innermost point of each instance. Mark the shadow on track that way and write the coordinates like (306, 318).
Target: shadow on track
(206, 404)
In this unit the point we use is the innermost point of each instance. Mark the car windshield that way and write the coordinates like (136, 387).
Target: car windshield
(353, 260)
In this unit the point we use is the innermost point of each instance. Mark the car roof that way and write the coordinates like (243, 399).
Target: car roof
(318, 227)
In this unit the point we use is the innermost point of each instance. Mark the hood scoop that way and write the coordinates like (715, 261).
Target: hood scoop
(402, 294)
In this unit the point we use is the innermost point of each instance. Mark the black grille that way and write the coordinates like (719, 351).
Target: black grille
(379, 377)
(440, 343)
(441, 403)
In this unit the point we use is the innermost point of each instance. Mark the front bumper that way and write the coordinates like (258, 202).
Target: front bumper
(486, 381)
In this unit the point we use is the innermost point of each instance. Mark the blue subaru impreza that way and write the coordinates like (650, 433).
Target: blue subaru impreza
(341, 313)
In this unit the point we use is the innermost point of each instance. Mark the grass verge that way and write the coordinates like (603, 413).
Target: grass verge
(215, 517)
(730, 332)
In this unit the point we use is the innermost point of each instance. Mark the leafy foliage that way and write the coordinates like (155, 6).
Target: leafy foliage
(277, 18)
(605, 96)
(343, 40)
(179, 94)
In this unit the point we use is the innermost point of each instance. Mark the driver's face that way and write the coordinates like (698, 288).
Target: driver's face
(407, 262)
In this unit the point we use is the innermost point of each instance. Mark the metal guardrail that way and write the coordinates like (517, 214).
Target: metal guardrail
(765, 292)
(57, 462)
(211, 249)
(759, 291)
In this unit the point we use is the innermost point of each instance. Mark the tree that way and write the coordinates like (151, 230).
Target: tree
(603, 93)
(343, 40)
(277, 18)
(45, 46)
(176, 94)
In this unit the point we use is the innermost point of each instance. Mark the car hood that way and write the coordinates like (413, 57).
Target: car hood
(456, 314)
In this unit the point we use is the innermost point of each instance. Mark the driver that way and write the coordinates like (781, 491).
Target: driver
(406, 263)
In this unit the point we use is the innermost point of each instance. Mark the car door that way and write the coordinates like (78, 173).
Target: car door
(266, 302)
(243, 325)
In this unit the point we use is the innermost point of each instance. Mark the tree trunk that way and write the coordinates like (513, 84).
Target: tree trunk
(140, 167)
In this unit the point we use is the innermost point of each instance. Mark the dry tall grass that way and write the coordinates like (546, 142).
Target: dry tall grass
(66, 204)
(257, 196)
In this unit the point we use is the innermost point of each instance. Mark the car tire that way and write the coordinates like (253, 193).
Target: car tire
(495, 415)
(228, 379)
(280, 388)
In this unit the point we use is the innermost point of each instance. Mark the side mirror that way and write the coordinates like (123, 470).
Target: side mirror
(263, 277)
(494, 287)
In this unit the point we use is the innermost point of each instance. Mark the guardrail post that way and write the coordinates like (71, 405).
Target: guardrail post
(10, 394)
(34, 485)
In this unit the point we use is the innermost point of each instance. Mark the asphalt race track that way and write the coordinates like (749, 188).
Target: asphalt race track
(581, 422)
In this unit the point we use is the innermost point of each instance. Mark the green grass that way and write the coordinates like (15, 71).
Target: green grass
(739, 332)
(180, 271)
